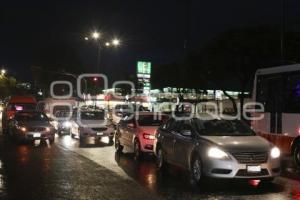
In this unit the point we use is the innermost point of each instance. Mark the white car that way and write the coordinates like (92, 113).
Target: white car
(91, 123)
(137, 132)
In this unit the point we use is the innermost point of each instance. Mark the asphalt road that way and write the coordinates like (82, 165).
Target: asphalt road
(66, 171)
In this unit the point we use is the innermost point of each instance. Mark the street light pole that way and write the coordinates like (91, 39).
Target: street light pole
(96, 36)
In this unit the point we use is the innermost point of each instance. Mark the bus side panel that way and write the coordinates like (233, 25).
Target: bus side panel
(262, 125)
(291, 124)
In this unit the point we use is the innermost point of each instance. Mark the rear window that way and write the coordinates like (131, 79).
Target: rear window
(22, 107)
(31, 117)
(151, 120)
(93, 115)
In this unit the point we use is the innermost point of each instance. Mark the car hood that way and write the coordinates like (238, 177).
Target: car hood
(240, 143)
(148, 129)
(35, 124)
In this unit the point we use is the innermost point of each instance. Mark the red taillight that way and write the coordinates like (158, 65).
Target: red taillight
(148, 136)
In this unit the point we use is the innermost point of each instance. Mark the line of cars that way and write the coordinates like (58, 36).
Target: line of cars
(206, 146)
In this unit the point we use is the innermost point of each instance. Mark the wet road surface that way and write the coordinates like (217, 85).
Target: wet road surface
(66, 171)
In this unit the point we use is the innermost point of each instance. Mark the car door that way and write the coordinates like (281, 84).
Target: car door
(170, 141)
(166, 138)
(183, 143)
(127, 131)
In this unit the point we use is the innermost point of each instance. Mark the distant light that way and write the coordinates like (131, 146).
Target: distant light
(3, 71)
(95, 79)
(107, 44)
(116, 42)
(95, 35)
(86, 38)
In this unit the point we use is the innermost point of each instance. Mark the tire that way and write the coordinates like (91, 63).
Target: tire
(160, 160)
(296, 155)
(111, 140)
(72, 135)
(119, 148)
(137, 150)
(196, 175)
(81, 141)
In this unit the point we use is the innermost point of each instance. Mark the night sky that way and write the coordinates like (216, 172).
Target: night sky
(152, 30)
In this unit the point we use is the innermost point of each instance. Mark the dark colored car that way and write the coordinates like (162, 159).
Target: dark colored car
(30, 126)
(217, 148)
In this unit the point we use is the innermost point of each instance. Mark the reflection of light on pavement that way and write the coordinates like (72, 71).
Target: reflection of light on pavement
(23, 152)
(68, 141)
(147, 174)
(1, 182)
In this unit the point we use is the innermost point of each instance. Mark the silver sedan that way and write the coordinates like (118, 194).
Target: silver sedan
(217, 148)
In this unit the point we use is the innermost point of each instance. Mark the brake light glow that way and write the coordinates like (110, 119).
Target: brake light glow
(148, 136)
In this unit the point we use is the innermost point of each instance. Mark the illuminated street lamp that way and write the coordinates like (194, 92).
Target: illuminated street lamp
(116, 42)
(95, 35)
(100, 43)
(3, 72)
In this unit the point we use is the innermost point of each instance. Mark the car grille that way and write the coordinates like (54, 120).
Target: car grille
(36, 129)
(243, 172)
(251, 157)
(99, 129)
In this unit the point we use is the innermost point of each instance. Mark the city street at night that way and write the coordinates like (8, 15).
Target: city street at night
(158, 100)
(66, 171)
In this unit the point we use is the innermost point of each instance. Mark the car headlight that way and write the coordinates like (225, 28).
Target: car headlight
(215, 152)
(275, 152)
(22, 128)
(67, 124)
(48, 129)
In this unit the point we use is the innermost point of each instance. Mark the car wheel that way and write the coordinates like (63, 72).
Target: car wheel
(296, 155)
(111, 140)
(72, 135)
(118, 146)
(81, 141)
(160, 160)
(196, 170)
(137, 150)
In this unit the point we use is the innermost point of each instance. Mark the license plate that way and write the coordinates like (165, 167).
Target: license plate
(100, 133)
(253, 169)
(36, 135)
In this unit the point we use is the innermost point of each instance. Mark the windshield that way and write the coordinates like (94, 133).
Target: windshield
(99, 115)
(31, 117)
(150, 120)
(223, 128)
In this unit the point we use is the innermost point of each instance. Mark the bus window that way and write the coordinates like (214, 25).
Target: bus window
(292, 94)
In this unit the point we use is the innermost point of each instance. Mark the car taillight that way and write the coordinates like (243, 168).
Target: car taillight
(148, 136)
(48, 129)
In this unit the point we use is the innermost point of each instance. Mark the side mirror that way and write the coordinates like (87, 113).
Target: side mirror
(131, 125)
(186, 133)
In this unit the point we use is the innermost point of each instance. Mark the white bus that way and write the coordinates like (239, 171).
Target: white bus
(278, 89)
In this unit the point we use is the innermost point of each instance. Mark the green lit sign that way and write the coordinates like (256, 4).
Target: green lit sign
(143, 67)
